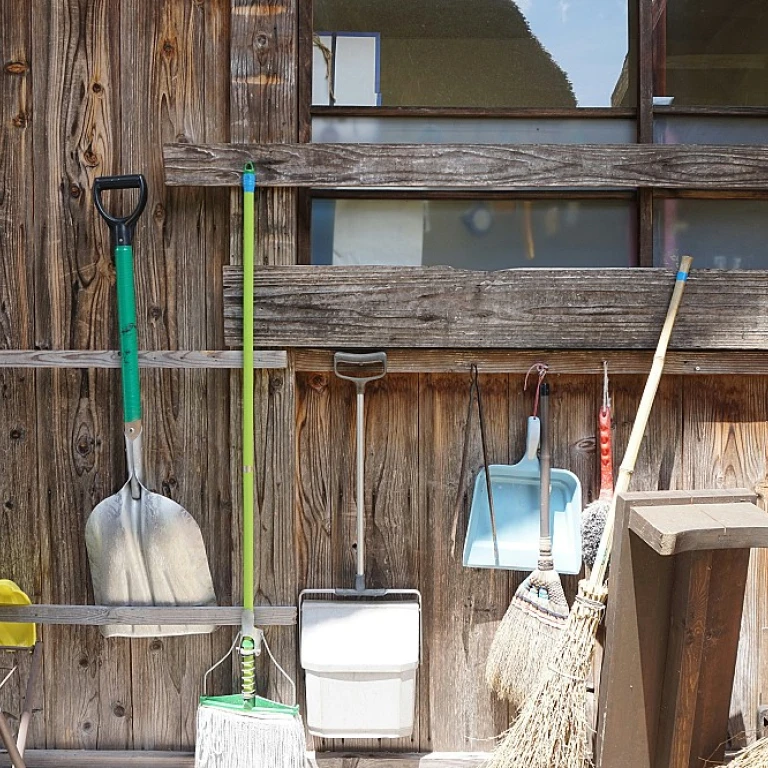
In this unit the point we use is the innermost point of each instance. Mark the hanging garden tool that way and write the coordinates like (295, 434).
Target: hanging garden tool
(594, 514)
(244, 730)
(143, 548)
(536, 617)
(504, 517)
(360, 652)
(552, 729)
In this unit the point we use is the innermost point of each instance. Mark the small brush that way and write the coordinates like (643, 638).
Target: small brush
(594, 515)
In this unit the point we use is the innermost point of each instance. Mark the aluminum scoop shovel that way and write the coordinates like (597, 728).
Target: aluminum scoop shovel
(143, 548)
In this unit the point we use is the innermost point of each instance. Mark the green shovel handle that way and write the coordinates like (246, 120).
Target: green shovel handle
(129, 338)
(121, 230)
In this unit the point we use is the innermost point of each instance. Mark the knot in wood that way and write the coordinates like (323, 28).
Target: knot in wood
(90, 158)
(21, 120)
(169, 48)
(262, 40)
(156, 645)
(318, 382)
(118, 710)
(97, 88)
(17, 434)
(75, 191)
(16, 67)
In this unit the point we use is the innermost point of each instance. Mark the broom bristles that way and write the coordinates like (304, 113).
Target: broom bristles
(592, 526)
(754, 756)
(527, 637)
(552, 727)
(229, 739)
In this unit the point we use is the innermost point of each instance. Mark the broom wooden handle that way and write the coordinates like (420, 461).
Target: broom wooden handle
(597, 577)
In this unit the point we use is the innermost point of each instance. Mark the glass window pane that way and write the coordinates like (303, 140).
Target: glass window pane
(481, 53)
(474, 234)
(679, 129)
(423, 130)
(711, 52)
(719, 234)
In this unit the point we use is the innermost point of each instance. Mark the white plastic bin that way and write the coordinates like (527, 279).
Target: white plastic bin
(360, 660)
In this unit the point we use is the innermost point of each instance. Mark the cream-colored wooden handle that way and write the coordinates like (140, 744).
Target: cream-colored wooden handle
(600, 568)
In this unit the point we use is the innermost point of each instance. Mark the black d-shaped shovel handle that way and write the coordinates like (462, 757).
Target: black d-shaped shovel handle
(121, 229)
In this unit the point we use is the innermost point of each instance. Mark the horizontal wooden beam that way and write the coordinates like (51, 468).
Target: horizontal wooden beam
(64, 758)
(471, 166)
(209, 358)
(101, 615)
(443, 308)
(579, 362)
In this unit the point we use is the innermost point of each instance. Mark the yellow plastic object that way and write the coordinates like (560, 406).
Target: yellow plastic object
(10, 633)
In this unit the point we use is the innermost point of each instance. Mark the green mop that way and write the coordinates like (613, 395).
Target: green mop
(245, 729)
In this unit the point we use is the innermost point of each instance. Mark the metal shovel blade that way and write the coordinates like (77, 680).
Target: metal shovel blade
(147, 551)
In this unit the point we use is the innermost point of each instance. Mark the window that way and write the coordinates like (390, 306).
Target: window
(475, 234)
(721, 234)
(710, 52)
(485, 53)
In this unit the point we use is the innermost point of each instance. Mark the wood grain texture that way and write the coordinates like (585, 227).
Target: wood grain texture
(19, 521)
(461, 605)
(471, 166)
(437, 307)
(166, 50)
(711, 526)
(582, 362)
(208, 358)
(725, 447)
(101, 615)
(76, 96)
(263, 108)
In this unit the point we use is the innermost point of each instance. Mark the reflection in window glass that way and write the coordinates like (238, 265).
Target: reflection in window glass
(731, 130)
(711, 52)
(719, 234)
(474, 234)
(483, 53)
(479, 130)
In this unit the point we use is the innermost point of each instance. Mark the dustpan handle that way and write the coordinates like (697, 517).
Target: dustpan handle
(545, 462)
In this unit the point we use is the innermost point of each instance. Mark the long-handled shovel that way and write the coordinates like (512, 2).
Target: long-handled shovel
(143, 548)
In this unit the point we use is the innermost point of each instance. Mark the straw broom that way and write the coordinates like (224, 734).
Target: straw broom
(754, 756)
(552, 730)
(532, 627)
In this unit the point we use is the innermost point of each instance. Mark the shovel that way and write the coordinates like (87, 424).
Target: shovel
(143, 548)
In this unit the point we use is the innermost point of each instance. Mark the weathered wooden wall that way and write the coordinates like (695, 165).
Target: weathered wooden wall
(92, 87)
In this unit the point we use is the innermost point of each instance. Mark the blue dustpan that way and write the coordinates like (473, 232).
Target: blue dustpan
(516, 503)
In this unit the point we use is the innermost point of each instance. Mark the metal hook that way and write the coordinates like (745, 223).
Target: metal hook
(542, 369)
(606, 396)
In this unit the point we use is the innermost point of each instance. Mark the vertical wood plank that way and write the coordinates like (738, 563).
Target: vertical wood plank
(263, 107)
(19, 522)
(462, 606)
(725, 447)
(167, 48)
(685, 649)
(76, 95)
(325, 487)
(659, 463)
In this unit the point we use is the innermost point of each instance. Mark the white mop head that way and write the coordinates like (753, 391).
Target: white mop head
(229, 739)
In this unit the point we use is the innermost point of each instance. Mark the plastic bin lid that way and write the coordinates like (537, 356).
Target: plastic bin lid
(360, 636)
